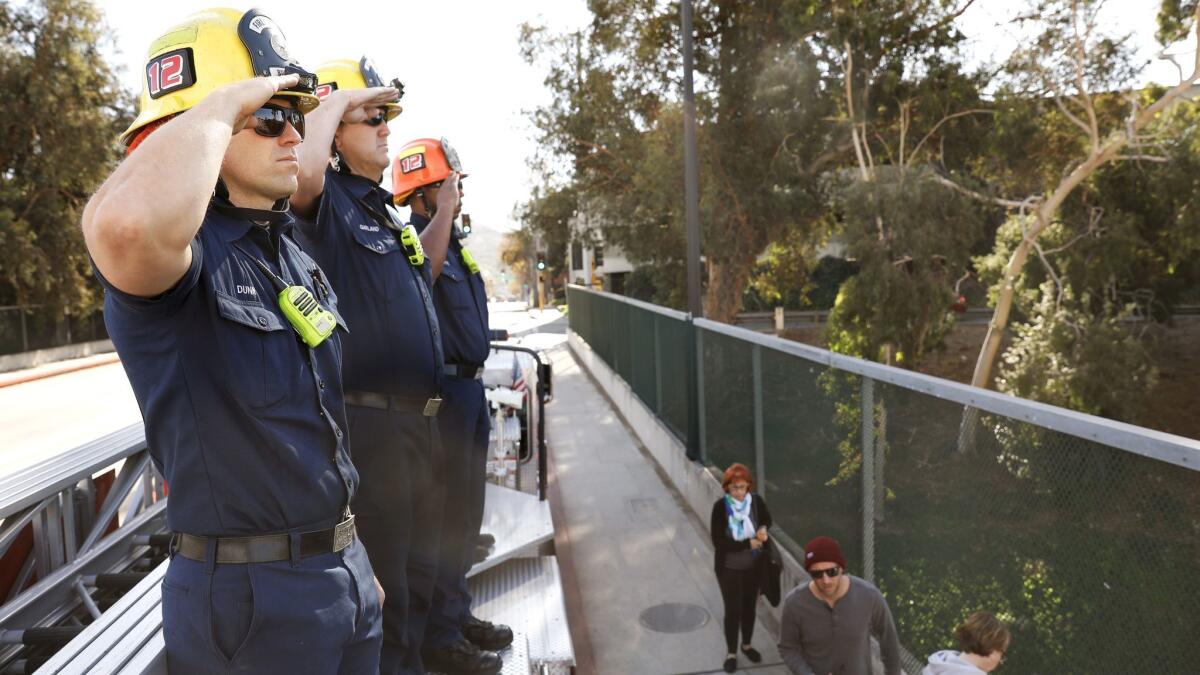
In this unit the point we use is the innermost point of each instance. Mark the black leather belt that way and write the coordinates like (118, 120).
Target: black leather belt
(368, 399)
(463, 371)
(266, 547)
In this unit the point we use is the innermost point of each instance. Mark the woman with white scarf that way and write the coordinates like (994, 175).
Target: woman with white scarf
(739, 529)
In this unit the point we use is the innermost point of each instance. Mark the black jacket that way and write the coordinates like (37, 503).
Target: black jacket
(766, 567)
(723, 542)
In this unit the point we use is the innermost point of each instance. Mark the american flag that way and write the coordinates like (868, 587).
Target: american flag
(518, 375)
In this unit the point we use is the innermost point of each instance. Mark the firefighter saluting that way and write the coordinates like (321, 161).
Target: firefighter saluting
(393, 367)
(232, 340)
(419, 175)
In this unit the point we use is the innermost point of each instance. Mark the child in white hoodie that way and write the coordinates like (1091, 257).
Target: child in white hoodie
(983, 638)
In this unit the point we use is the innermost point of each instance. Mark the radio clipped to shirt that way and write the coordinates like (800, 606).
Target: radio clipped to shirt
(312, 322)
(469, 260)
(411, 242)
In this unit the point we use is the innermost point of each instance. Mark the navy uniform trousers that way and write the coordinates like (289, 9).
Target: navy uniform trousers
(398, 515)
(464, 424)
(318, 614)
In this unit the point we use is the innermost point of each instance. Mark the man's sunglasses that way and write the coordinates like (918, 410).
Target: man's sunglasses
(832, 573)
(375, 120)
(271, 120)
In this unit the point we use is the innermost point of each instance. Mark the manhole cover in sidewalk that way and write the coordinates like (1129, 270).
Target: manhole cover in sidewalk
(674, 617)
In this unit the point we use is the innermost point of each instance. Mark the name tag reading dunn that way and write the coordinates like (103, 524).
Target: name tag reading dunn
(312, 322)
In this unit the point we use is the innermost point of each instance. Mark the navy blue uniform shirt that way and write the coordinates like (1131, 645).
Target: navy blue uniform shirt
(461, 302)
(396, 346)
(244, 421)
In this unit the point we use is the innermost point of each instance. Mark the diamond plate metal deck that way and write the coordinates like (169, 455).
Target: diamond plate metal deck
(519, 522)
(526, 594)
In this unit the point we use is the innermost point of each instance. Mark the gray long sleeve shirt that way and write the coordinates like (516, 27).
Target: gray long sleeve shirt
(816, 639)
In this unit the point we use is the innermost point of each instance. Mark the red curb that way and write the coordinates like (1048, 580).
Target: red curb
(20, 377)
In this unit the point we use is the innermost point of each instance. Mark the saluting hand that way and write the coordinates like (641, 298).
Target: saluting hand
(448, 197)
(247, 96)
(360, 101)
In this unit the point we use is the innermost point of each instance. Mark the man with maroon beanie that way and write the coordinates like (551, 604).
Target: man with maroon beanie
(827, 623)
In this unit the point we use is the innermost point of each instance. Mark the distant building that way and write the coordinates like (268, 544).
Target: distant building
(598, 265)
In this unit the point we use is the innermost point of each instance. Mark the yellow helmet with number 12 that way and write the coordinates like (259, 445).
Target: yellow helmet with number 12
(210, 49)
(351, 74)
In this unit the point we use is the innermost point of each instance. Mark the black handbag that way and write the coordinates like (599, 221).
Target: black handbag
(770, 571)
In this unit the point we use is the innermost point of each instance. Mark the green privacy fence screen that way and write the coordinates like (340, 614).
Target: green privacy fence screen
(1082, 533)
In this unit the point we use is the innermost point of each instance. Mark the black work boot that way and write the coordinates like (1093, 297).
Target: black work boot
(461, 658)
(485, 634)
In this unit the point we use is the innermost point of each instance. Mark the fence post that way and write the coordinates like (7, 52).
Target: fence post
(24, 331)
(868, 478)
(658, 397)
(760, 470)
(697, 391)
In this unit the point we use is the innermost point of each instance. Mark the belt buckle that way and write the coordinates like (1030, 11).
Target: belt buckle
(343, 534)
(432, 406)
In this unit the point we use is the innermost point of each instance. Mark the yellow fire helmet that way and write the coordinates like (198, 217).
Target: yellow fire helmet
(351, 74)
(209, 49)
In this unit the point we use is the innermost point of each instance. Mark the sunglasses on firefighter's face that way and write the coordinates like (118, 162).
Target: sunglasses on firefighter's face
(271, 120)
(375, 120)
(832, 573)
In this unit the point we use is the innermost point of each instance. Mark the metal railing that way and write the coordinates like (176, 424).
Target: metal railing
(73, 525)
(1081, 532)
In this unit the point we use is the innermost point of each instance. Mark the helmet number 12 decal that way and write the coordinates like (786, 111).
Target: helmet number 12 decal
(170, 72)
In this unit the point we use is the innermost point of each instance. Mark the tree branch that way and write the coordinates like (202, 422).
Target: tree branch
(1007, 203)
(947, 118)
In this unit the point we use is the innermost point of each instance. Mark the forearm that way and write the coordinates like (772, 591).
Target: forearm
(140, 223)
(320, 127)
(435, 239)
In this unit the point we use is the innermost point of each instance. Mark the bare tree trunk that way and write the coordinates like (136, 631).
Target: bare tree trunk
(723, 294)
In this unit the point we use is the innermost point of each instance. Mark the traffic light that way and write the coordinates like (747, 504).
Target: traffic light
(466, 223)
(541, 261)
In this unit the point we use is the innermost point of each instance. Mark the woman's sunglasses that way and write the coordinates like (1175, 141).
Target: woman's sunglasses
(270, 120)
(832, 573)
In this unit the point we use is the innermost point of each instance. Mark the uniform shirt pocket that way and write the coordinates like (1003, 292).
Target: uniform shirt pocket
(260, 349)
(456, 292)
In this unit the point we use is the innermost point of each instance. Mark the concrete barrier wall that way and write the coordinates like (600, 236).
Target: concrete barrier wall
(10, 362)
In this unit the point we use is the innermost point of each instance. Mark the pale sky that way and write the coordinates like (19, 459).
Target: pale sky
(464, 76)
(459, 60)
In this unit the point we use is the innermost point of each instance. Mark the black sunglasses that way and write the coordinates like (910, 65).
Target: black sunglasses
(832, 573)
(271, 120)
(374, 121)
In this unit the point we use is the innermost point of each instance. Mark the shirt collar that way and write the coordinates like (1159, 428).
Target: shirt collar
(230, 229)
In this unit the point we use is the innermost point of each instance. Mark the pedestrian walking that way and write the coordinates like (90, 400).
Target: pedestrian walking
(983, 639)
(738, 527)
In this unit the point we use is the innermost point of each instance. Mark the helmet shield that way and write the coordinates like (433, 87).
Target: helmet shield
(268, 51)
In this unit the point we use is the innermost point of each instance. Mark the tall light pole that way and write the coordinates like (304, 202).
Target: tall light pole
(691, 172)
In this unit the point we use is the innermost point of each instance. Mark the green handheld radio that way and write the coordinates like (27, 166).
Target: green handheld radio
(469, 260)
(411, 242)
(313, 323)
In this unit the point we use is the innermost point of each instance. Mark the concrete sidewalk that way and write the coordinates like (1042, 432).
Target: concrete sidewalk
(634, 544)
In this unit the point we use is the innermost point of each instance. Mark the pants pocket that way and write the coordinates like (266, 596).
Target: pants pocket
(231, 609)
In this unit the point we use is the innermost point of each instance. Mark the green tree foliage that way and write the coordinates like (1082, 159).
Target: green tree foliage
(60, 115)
(616, 120)
(912, 237)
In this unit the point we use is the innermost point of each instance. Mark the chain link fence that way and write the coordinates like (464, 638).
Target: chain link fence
(1083, 534)
(31, 327)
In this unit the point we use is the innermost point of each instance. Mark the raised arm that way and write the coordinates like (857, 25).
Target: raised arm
(140, 223)
(343, 105)
(435, 238)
